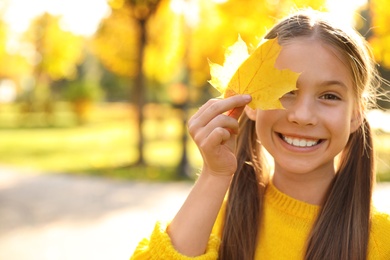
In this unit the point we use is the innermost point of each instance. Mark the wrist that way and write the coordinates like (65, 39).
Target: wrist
(220, 173)
(214, 180)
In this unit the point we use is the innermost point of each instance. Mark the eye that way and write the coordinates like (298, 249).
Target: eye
(330, 96)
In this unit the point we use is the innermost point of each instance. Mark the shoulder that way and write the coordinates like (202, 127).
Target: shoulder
(381, 221)
(380, 233)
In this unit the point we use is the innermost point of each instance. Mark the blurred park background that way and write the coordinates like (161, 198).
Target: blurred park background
(104, 88)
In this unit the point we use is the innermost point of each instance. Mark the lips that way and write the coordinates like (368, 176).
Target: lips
(300, 142)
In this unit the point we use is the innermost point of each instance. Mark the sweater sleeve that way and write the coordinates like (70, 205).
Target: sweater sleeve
(159, 246)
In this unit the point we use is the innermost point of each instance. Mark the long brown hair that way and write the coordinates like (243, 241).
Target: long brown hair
(245, 195)
(341, 230)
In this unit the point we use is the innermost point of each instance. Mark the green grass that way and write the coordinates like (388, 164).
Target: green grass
(106, 144)
(68, 149)
(382, 147)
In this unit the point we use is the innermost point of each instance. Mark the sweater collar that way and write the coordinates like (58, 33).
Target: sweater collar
(289, 205)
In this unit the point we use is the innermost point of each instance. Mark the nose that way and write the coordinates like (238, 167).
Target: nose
(302, 111)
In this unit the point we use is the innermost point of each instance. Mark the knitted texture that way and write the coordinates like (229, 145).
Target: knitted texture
(160, 247)
(285, 226)
(379, 244)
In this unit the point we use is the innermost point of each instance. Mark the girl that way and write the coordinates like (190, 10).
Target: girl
(313, 206)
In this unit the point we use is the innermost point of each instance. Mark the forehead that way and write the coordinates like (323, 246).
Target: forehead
(315, 60)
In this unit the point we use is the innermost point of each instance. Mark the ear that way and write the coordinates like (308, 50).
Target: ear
(251, 113)
(356, 121)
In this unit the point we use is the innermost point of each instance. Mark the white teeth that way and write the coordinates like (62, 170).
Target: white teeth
(300, 142)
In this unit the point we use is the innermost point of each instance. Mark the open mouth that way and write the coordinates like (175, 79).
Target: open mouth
(300, 142)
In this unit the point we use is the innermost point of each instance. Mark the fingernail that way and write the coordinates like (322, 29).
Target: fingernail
(247, 97)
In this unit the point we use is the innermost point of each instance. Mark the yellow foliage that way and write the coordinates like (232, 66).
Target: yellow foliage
(12, 65)
(116, 4)
(116, 41)
(3, 38)
(166, 47)
(59, 51)
(380, 15)
(219, 25)
(175, 45)
(235, 55)
(256, 75)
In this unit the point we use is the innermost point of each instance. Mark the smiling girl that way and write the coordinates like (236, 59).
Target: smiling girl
(312, 206)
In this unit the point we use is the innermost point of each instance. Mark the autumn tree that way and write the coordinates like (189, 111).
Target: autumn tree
(121, 42)
(178, 50)
(379, 17)
(12, 64)
(216, 27)
(220, 24)
(55, 55)
(373, 23)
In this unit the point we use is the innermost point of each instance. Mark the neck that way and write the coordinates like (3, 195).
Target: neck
(310, 188)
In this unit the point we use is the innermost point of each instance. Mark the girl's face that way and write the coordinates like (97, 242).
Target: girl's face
(318, 117)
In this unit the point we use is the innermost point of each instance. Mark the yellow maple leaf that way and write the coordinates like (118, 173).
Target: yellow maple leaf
(235, 55)
(256, 75)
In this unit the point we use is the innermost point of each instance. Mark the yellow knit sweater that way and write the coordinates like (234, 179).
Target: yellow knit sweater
(286, 223)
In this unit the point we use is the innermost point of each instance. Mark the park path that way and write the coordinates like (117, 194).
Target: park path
(61, 217)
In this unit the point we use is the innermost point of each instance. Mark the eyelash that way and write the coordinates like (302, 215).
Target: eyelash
(330, 96)
(327, 96)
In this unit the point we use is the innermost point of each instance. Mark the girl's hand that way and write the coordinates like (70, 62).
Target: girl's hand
(214, 128)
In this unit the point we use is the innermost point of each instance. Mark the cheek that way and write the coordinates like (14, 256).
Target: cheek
(262, 119)
(265, 121)
(269, 116)
(340, 121)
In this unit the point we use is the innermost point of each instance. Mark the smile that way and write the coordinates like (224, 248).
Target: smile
(300, 142)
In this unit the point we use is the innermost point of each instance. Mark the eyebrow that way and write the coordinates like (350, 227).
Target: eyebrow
(333, 82)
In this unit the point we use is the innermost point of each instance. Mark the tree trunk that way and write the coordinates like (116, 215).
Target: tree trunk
(140, 90)
(184, 169)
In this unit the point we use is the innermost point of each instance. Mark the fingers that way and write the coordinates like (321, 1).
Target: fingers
(224, 121)
(217, 137)
(220, 125)
(214, 128)
(216, 120)
(216, 107)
